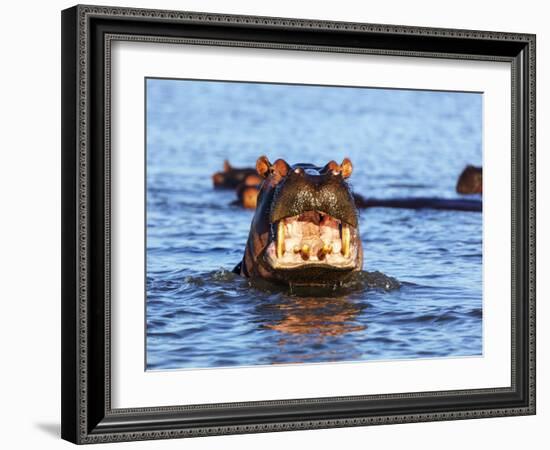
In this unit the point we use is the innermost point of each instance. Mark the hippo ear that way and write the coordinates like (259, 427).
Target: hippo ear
(281, 168)
(331, 166)
(263, 166)
(346, 167)
(226, 166)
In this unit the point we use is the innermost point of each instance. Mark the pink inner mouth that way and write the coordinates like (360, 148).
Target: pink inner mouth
(314, 230)
(312, 237)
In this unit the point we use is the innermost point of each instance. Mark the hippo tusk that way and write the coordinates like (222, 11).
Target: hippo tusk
(346, 239)
(305, 251)
(280, 239)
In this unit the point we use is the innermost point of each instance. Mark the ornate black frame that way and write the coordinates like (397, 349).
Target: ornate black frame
(87, 32)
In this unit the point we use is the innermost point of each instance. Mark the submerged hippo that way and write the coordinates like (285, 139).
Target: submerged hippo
(230, 177)
(305, 228)
(470, 181)
(247, 191)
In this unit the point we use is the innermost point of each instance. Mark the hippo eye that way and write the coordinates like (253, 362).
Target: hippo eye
(299, 171)
(335, 172)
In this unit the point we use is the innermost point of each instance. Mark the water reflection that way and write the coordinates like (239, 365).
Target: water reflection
(317, 316)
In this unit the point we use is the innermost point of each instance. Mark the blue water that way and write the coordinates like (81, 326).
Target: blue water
(402, 143)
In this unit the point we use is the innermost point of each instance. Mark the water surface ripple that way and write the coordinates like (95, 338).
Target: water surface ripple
(402, 143)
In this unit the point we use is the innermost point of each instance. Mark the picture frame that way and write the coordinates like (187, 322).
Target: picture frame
(87, 413)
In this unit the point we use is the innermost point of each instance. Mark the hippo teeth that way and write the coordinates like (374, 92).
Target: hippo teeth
(280, 239)
(346, 239)
(305, 251)
(325, 250)
(311, 237)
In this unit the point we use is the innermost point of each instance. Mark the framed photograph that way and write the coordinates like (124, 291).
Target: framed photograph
(278, 224)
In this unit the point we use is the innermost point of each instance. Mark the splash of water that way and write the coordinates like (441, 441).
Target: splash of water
(359, 281)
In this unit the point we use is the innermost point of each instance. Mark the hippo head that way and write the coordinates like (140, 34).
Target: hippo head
(470, 181)
(230, 177)
(305, 229)
(247, 191)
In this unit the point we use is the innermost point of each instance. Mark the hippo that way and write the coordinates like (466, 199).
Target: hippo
(230, 177)
(247, 191)
(470, 181)
(305, 230)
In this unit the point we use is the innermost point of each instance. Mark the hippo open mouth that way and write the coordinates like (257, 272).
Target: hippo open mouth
(305, 228)
(313, 238)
